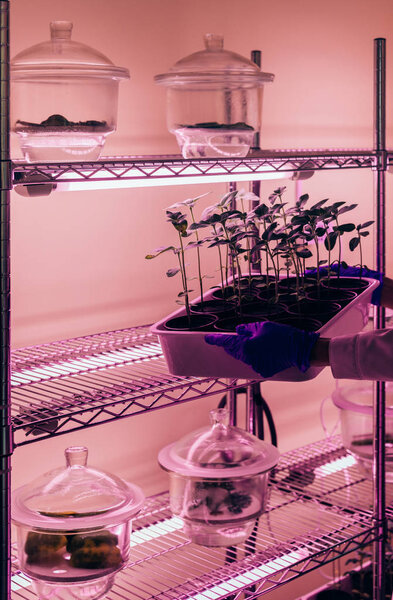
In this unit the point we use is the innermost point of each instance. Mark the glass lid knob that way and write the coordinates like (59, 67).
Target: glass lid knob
(213, 41)
(219, 417)
(76, 456)
(60, 30)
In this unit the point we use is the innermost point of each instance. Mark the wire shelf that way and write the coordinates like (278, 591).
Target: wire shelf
(173, 166)
(298, 533)
(64, 386)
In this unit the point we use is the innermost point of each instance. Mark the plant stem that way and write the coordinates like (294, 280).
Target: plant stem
(198, 258)
(184, 277)
(220, 261)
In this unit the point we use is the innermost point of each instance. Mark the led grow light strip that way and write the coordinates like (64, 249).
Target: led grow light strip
(248, 576)
(102, 360)
(155, 531)
(91, 184)
(334, 466)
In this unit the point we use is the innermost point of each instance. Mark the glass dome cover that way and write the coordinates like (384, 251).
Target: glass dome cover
(214, 64)
(76, 497)
(61, 56)
(219, 451)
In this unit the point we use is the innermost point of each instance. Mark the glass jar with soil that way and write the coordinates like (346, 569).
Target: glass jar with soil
(218, 481)
(73, 528)
(64, 98)
(214, 101)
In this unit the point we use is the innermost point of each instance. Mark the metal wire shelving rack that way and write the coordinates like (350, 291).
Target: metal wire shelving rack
(316, 513)
(320, 507)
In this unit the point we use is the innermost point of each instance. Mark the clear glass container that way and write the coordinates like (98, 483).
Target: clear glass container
(214, 101)
(355, 404)
(218, 481)
(64, 98)
(73, 528)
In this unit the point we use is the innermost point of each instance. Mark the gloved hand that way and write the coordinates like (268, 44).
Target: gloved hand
(268, 347)
(348, 271)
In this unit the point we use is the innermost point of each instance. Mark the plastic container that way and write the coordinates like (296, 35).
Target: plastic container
(73, 528)
(187, 353)
(64, 98)
(214, 101)
(355, 404)
(218, 481)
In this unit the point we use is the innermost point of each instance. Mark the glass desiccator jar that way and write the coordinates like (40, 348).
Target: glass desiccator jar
(218, 481)
(64, 98)
(214, 101)
(73, 528)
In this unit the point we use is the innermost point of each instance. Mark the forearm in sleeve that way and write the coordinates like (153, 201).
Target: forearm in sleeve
(366, 355)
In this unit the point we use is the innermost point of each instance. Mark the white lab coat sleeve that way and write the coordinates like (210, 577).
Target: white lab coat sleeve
(366, 355)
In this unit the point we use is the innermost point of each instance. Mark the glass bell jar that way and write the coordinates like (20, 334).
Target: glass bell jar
(355, 404)
(64, 98)
(218, 481)
(73, 528)
(214, 101)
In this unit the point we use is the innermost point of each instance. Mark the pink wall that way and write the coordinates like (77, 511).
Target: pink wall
(78, 259)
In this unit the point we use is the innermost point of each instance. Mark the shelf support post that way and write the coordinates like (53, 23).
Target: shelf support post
(379, 404)
(5, 408)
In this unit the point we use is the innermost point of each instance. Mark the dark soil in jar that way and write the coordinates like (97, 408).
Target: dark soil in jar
(230, 324)
(214, 307)
(195, 322)
(343, 296)
(347, 283)
(299, 321)
(60, 123)
(215, 125)
(322, 309)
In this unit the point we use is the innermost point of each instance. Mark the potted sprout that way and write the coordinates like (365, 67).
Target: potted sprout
(277, 262)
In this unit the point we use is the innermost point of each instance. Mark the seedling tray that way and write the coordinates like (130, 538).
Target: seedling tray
(187, 353)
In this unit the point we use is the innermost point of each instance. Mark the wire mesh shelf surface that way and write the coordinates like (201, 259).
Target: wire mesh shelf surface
(63, 386)
(301, 530)
(153, 167)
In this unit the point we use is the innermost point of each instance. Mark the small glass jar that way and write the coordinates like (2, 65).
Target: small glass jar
(355, 403)
(64, 98)
(218, 481)
(214, 101)
(73, 528)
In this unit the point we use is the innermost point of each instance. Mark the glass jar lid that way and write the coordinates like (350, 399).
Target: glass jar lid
(214, 65)
(219, 451)
(77, 497)
(61, 56)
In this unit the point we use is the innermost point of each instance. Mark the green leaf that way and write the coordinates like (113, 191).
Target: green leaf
(159, 251)
(182, 294)
(319, 204)
(364, 233)
(345, 209)
(354, 243)
(303, 253)
(330, 240)
(364, 225)
(172, 272)
(346, 227)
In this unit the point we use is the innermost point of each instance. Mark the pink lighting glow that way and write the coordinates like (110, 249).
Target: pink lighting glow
(156, 181)
(106, 359)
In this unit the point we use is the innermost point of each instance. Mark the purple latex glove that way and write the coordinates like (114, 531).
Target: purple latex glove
(347, 271)
(268, 347)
